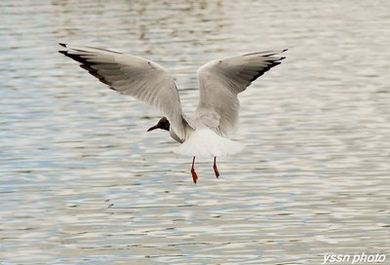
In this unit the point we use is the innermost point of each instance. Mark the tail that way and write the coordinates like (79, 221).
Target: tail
(206, 143)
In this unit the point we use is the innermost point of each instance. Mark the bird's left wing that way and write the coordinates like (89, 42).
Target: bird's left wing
(221, 81)
(134, 76)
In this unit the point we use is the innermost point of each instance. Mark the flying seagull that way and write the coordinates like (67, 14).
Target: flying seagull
(220, 81)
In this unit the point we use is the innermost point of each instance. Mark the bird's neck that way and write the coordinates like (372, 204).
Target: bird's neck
(175, 136)
(187, 132)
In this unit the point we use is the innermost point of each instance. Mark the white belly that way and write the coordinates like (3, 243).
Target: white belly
(205, 143)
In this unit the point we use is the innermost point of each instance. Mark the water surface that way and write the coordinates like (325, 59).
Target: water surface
(81, 182)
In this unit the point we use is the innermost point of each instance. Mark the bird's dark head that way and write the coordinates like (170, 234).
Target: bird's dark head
(162, 124)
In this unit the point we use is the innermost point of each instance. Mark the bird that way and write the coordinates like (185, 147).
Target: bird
(206, 133)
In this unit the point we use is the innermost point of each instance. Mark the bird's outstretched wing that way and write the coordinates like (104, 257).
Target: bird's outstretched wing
(134, 76)
(220, 82)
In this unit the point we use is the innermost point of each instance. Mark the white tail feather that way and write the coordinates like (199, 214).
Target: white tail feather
(206, 143)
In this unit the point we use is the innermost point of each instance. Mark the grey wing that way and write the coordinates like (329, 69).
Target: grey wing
(133, 76)
(220, 82)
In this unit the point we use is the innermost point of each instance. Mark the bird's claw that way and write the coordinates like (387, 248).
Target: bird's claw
(194, 175)
(216, 172)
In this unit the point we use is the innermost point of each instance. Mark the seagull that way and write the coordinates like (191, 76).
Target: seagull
(206, 133)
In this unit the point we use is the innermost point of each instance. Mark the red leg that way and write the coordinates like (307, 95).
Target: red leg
(194, 175)
(215, 167)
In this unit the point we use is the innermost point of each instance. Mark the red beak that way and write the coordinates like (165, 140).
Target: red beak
(152, 128)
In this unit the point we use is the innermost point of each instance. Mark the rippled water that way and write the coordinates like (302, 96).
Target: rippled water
(83, 183)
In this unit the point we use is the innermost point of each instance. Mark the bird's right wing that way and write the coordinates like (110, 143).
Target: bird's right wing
(134, 76)
(220, 82)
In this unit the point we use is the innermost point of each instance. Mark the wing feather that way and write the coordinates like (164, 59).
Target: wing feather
(220, 82)
(134, 76)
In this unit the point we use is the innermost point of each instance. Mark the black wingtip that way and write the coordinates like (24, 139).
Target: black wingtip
(63, 52)
(282, 58)
(285, 50)
(62, 44)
